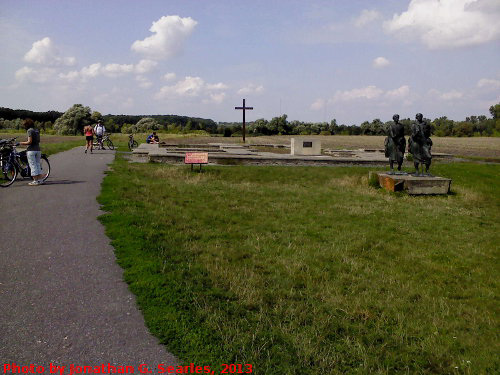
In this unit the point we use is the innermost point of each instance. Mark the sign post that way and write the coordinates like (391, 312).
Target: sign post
(196, 158)
(244, 108)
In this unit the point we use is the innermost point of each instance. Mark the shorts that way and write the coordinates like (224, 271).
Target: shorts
(34, 162)
(89, 137)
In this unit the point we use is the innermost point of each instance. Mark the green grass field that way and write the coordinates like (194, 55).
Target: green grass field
(308, 270)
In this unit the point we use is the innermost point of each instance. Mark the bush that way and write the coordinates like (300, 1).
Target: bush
(73, 120)
(144, 125)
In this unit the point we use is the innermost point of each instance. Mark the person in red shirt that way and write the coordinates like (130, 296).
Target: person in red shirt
(89, 137)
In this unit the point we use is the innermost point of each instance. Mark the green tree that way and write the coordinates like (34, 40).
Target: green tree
(495, 111)
(144, 125)
(96, 117)
(110, 125)
(443, 127)
(73, 120)
(463, 129)
(189, 126)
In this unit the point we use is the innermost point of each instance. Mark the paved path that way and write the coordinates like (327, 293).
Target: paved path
(62, 298)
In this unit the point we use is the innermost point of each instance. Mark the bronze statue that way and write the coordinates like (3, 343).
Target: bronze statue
(419, 145)
(395, 144)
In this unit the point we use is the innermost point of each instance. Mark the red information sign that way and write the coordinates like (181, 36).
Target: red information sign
(196, 158)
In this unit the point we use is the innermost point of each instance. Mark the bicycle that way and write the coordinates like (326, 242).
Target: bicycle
(13, 163)
(7, 163)
(132, 143)
(99, 142)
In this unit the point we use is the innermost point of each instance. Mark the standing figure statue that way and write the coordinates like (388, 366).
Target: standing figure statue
(419, 145)
(395, 144)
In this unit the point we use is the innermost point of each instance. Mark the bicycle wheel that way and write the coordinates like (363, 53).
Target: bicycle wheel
(8, 173)
(23, 170)
(110, 144)
(45, 165)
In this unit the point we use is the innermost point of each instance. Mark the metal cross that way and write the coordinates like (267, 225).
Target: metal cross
(243, 108)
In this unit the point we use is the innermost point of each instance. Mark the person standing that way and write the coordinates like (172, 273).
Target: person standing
(89, 137)
(33, 152)
(99, 131)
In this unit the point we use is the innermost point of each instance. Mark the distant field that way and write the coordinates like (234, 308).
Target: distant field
(475, 146)
(485, 147)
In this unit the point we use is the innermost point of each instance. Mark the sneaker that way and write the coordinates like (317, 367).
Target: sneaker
(85, 151)
(34, 183)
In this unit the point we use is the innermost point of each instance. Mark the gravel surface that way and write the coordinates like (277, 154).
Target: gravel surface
(63, 299)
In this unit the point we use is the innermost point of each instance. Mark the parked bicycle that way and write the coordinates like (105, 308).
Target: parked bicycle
(131, 142)
(103, 140)
(15, 164)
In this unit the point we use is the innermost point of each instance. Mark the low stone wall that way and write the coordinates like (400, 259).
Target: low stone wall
(221, 159)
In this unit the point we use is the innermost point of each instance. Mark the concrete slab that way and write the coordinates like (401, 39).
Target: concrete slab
(260, 158)
(415, 185)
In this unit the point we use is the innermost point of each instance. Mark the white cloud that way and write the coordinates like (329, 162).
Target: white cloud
(398, 93)
(70, 76)
(91, 71)
(169, 76)
(27, 74)
(145, 66)
(366, 17)
(217, 86)
(369, 92)
(117, 70)
(447, 96)
(451, 95)
(109, 70)
(191, 87)
(318, 104)
(143, 82)
(45, 53)
(84, 74)
(381, 62)
(251, 89)
(448, 23)
(216, 98)
(488, 83)
(169, 35)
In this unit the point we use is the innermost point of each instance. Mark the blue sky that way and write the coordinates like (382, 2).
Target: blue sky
(314, 60)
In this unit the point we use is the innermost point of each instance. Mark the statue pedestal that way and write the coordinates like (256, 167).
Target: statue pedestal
(415, 185)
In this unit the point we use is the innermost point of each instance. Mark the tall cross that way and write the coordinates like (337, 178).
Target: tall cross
(243, 108)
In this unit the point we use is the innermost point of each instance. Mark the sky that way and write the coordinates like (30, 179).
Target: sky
(314, 60)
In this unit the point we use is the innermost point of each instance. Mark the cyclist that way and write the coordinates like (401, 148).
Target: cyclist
(33, 152)
(99, 131)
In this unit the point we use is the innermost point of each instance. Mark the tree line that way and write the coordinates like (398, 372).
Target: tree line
(78, 116)
(441, 127)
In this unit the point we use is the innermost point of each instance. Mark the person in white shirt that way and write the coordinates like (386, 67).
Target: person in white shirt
(99, 131)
